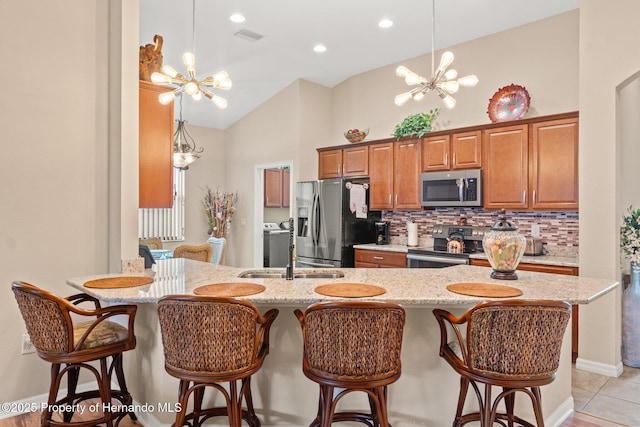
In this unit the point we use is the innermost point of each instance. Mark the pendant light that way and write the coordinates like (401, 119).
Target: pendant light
(185, 150)
(442, 82)
(190, 85)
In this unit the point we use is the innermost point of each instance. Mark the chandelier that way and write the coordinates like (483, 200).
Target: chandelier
(185, 150)
(442, 82)
(189, 84)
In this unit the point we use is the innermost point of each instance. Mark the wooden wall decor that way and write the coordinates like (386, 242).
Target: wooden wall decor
(150, 58)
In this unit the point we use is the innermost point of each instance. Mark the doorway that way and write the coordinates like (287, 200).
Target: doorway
(271, 209)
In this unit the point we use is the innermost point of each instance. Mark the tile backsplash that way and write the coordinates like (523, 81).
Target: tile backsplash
(556, 228)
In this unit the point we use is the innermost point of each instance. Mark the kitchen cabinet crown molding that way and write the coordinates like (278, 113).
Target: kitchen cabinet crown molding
(525, 121)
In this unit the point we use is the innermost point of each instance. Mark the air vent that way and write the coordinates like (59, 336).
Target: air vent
(248, 35)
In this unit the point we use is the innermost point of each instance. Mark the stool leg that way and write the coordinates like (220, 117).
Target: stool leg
(251, 417)
(537, 406)
(72, 382)
(326, 416)
(183, 398)
(485, 408)
(462, 396)
(53, 392)
(117, 365)
(381, 415)
(509, 402)
(105, 392)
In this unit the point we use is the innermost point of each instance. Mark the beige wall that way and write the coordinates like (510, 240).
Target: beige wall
(609, 37)
(54, 191)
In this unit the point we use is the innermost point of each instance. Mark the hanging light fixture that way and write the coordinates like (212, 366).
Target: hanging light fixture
(442, 82)
(190, 85)
(185, 150)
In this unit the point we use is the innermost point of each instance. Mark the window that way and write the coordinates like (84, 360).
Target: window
(165, 223)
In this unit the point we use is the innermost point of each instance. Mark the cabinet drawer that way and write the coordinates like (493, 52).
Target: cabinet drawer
(382, 258)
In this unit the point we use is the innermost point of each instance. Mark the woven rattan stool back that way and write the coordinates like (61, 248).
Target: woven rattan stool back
(196, 252)
(47, 325)
(216, 336)
(516, 339)
(353, 340)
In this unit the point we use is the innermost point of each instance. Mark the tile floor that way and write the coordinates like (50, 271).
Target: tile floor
(616, 399)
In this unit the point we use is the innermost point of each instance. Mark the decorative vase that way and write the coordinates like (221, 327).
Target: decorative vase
(631, 319)
(504, 248)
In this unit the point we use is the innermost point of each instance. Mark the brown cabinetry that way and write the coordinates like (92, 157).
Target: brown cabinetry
(366, 258)
(276, 188)
(155, 148)
(532, 166)
(352, 161)
(394, 175)
(451, 152)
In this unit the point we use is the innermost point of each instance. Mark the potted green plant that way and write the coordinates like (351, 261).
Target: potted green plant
(416, 124)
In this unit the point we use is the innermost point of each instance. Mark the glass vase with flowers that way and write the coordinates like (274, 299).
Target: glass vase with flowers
(630, 245)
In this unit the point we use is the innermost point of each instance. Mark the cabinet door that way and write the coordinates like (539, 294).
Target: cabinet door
(466, 150)
(272, 188)
(381, 176)
(406, 171)
(435, 153)
(355, 161)
(329, 164)
(505, 167)
(155, 148)
(554, 165)
(286, 187)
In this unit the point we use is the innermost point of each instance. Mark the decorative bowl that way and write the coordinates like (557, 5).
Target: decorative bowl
(355, 135)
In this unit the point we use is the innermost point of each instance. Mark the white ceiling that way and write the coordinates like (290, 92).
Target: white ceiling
(291, 28)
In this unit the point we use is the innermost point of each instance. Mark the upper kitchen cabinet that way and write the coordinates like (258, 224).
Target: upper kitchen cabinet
(155, 148)
(336, 163)
(506, 180)
(533, 165)
(554, 164)
(452, 151)
(276, 188)
(394, 171)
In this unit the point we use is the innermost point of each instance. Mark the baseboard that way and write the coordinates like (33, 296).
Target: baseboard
(561, 413)
(599, 368)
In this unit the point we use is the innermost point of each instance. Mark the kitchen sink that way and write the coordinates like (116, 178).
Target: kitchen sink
(271, 274)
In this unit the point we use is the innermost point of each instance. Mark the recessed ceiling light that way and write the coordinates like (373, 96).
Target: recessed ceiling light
(385, 23)
(319, 48)
(237, 18)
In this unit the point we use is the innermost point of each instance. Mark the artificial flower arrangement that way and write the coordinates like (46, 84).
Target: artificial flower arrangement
(630, 235)
(219, 207)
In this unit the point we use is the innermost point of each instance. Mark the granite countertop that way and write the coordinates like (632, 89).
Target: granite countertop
(566, 258)
(411, 287)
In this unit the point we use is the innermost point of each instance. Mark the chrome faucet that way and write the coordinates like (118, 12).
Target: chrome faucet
(289, 273)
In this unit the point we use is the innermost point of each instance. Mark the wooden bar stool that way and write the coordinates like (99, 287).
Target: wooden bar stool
(208, 341)
(353, 346)
(513, 344)
(62, 342)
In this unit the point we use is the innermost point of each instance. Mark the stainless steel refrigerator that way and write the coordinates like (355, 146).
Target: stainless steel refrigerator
(332, 216)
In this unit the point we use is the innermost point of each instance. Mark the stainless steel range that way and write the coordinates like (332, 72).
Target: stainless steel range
(452, 245)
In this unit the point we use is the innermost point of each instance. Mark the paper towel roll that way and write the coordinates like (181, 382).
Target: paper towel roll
(412, 234)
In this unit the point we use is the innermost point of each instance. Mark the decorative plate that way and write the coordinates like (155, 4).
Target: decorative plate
(509, 103)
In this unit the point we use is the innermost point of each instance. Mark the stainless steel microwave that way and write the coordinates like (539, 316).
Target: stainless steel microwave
(452, 188)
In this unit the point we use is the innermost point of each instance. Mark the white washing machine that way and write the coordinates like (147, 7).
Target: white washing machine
(276, 245)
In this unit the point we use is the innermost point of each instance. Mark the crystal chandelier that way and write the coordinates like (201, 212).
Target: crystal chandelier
(190, 85)
(442, 82)
(185, 150)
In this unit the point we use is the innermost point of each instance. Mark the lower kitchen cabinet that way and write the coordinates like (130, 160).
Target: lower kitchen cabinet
(365, 258)
(555, 269)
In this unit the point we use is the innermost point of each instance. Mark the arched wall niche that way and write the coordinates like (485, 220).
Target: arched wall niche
(628, 147)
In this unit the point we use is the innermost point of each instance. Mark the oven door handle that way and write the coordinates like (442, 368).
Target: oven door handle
(435, 258)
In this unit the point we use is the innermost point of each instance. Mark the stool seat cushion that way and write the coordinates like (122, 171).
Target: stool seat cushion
(104, 333)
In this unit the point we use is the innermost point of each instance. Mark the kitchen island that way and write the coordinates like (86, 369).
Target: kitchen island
(425, 394)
